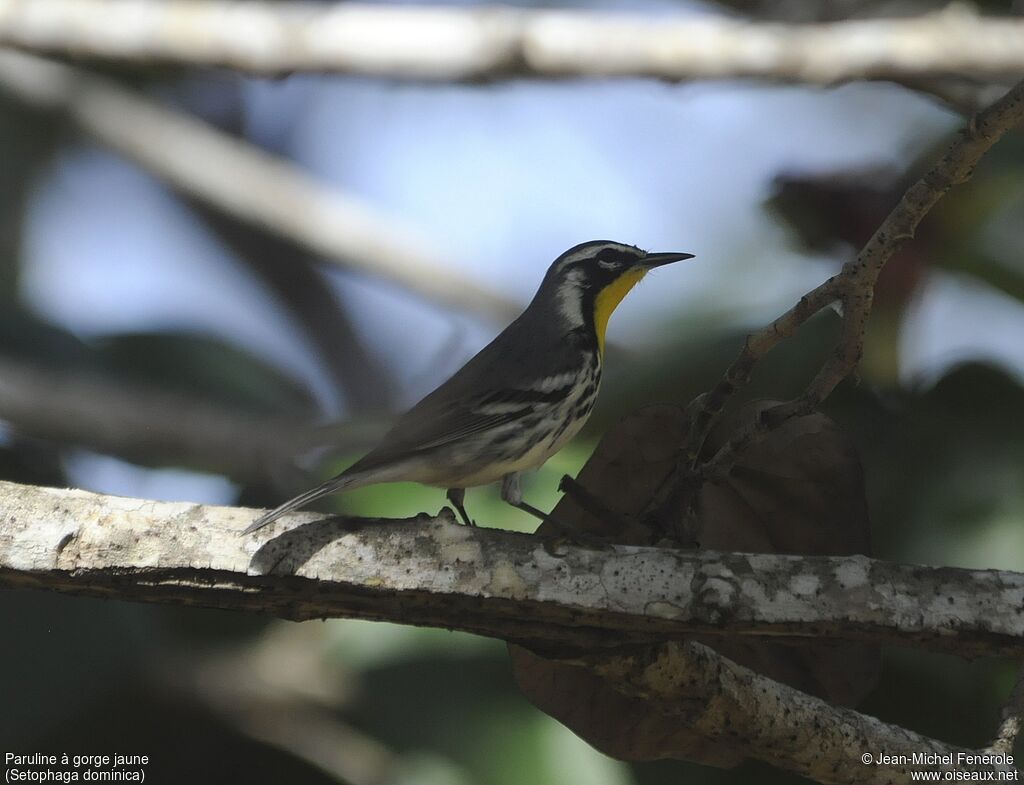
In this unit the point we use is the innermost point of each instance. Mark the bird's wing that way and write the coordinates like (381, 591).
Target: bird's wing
(484, 394)
(428, 427)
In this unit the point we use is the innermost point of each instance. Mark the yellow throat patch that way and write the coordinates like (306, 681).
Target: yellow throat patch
(608, 299)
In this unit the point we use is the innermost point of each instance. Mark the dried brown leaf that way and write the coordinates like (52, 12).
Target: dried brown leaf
(799, 490)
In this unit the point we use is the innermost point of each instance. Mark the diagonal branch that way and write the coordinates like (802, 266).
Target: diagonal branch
(246, 182)
(772, 722)
(298, 284)
(852, 288)
(498, 42)
(1012, 719)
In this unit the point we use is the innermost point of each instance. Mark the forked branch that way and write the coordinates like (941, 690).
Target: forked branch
(852, 288)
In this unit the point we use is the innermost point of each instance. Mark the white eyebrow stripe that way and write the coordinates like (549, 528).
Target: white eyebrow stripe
(593, 250)
(583, 253)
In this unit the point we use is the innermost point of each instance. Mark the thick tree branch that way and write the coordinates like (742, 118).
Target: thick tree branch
(496, 42)
(852, 288)
(246, 182)
(772, 722)
(433, 572)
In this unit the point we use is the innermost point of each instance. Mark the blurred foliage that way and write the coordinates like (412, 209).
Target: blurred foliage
(203, 366)
(945, 473)
(26, 336)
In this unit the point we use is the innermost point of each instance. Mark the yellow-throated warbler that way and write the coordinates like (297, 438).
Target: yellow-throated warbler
(519, 400)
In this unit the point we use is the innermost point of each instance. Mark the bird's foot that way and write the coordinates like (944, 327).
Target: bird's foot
(450, 516)
(444, 514)
(564, 534)
(457, 496)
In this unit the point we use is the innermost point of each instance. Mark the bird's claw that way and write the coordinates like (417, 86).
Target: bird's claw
(445, 512)
(449, 514)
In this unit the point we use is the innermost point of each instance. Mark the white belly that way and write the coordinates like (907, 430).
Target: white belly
(533, 458)
(484, 465)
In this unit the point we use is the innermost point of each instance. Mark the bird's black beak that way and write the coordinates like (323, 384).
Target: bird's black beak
(658, 259)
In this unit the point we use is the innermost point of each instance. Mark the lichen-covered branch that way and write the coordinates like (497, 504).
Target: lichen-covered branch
(1012, 718)
(852, 288)
(499, 42)
(431, 571)
(246, 182)
(772, 722)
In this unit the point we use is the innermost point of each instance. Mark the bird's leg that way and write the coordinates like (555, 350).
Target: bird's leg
(512, 493)
(457, 496)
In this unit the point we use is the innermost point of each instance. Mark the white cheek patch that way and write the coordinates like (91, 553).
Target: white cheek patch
(570, 299)
(591, 252)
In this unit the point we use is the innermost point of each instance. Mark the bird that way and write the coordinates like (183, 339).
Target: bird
(515, 403)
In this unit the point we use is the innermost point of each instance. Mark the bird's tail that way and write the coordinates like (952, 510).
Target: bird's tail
(327, 488)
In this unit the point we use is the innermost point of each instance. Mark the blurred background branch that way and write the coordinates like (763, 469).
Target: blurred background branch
(492, 42)
(157, 426)
(247, 183)
(280, 690)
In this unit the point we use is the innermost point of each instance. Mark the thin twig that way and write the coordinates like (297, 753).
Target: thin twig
(756, 346)
(853, 288)
(248, 183)
(497, 42)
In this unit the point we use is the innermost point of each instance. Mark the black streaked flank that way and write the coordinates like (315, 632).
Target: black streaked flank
(527, 396)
